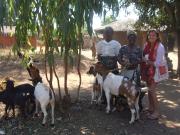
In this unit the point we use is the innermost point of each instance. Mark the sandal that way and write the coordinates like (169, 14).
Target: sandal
(153, 117)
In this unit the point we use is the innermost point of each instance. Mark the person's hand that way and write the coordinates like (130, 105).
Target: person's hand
(129, 64)
(144, 59)
(150, 62)
(125, 63)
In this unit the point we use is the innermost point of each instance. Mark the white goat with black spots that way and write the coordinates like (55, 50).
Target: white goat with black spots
(118, 85)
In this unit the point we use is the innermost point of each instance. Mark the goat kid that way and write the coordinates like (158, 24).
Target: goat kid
(118, 85)
(97, 86)
(44, 95)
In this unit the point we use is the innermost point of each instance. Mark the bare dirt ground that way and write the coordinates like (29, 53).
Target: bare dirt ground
(82, 118)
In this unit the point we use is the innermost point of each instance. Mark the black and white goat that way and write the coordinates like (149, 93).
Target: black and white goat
(118, 85)
(21, 96)
(44, 95)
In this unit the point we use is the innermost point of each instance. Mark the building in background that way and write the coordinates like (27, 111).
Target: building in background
(7, 37)
(121, 28)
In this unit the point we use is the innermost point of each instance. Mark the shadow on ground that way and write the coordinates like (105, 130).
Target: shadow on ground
(83, 119)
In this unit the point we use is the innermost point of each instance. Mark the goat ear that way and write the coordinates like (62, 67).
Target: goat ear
(30, 79)
(9, 79)
(91, 67)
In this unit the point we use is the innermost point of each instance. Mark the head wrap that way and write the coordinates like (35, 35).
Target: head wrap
(131, 32)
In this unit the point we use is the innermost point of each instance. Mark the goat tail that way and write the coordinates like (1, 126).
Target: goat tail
(51, 94)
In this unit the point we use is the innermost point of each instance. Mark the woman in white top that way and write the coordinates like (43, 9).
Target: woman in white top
(154, 55)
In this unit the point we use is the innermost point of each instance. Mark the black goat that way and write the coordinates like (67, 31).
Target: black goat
(21, 95)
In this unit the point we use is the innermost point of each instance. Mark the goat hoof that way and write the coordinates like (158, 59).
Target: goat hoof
(6, 117)
(52, 125)
(36, 115)
(107, 112)
(137, 118)
(99, 103)
(131, 122)
(114, 109)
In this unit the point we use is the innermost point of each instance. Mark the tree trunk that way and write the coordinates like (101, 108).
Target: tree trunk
(66, 99)
(50, 72)
(51, 77)
(79, 72)
(177, 14)
(178, 45)
(59, 88)
(66, 70)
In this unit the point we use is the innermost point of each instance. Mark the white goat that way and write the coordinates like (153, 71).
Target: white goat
(44, 95)
(118, 85)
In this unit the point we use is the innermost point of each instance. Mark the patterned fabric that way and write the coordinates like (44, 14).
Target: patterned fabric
(109, 61)
(134, 55)
(148, 71)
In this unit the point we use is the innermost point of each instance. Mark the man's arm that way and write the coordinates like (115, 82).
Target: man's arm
(138, 57)
(120, 57)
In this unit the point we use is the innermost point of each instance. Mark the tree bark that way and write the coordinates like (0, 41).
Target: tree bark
(66, 99)
(177, 13)
(79, 72)
(66, 70)
(59, 88)
(50, 72)
(178, 45)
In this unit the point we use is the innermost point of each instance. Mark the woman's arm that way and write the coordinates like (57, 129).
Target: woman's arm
(160, 55)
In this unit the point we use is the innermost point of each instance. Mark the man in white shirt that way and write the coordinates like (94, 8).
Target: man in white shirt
(107, 52)
(108, 49)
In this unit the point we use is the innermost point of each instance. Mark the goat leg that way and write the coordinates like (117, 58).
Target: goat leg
(108, 96)
(132, 109)
(137, 107)
(24, 111)
(52, 111)
(36, 111)
(100, 97)
(92, 98)
(140, 100)
(6, 113)
(13, 108)
(43, 108)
